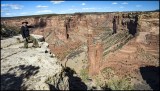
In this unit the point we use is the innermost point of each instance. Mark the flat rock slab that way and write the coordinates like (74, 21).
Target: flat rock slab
(27, 68)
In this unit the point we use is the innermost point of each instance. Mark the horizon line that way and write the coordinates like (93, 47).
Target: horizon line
(157, 10)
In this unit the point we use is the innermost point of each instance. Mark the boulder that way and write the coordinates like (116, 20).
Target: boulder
(40, 38)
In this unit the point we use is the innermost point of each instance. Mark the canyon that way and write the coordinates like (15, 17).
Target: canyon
(84, 42)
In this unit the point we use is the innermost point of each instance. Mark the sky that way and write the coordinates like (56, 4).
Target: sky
(24, 8)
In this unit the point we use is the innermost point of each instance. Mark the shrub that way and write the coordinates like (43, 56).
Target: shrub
(9, 31)
(119, 84)
(84, 74)
(108, 72)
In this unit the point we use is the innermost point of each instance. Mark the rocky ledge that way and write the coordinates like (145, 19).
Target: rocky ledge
(30, 69)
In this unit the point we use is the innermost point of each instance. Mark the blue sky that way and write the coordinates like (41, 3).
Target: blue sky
(22, 8)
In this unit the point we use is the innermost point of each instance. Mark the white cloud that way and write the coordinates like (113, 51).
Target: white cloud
(138, 6)
(3, 5)
(8, 14)
(16, 7)
(4, 11)
(72, 9)
(23, 13)
(124, 3)
(57, 2)
(114, 3)
(44, 11)
(40, 6)
(83, 4)
(121, 7)
(88, 8)
(12, 6)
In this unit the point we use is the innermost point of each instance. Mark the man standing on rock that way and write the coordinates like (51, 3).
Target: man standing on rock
(26, 35)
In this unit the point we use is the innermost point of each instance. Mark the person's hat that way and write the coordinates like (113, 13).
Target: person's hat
(25, 22)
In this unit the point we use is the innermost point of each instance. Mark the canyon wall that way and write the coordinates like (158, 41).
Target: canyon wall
(59, 25)
(67, 32)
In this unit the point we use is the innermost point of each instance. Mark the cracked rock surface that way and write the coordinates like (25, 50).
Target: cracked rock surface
(26, 69)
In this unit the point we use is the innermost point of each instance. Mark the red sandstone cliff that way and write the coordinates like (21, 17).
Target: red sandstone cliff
(66, 32)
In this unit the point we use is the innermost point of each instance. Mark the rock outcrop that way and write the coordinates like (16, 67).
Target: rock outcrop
(29, 69)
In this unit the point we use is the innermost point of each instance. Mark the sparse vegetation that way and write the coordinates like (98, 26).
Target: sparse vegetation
(119, 84)
(113, 82)
(142, 54)
(108, 29)
(99, 81)
(9, 31)
(84, 74)
(108, 73)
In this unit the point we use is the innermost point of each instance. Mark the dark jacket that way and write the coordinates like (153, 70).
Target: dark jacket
(25, 31)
